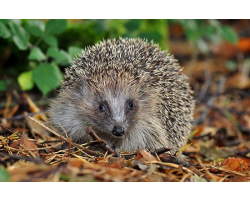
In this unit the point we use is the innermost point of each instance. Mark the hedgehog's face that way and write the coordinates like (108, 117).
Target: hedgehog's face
(115, 113)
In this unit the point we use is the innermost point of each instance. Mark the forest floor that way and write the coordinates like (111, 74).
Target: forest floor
(218, 148)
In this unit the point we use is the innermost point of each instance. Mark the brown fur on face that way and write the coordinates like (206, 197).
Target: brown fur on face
(114, 73)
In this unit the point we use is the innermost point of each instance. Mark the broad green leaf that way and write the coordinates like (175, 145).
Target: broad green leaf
(64, 58)
(193, 33)
(74, 51)
(47, 77)
(21, 37)
(4, 31)
(21, 44)
(17, 29)
(35, 27)
(25, 80)
(51, 40)
(4, 175)
(56, 26)
(52, 52)
(61, 57)
(133, 24)
(36, 54)
(229, 34)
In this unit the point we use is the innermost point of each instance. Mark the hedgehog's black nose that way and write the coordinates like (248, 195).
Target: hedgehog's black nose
(118, 131)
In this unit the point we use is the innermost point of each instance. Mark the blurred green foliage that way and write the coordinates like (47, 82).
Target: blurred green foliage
(204, 32)
(33, 52)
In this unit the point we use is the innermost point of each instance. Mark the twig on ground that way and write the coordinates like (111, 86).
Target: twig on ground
(86, 150)
(64, 131)
(160, 151)
(202, 136)
(171, 165)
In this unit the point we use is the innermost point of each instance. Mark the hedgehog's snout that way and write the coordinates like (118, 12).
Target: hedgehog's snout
(118, 131)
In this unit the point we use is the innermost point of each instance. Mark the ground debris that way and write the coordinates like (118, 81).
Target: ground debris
(217, 150)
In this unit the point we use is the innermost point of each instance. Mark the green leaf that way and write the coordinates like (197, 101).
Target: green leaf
(21, 44)
(36, 54)
(4, 31)
(4, 175)
(47, 77)
(133, 24)
(51, 40)
(193, 29)
(193, 34)
(56, 26)
(64, 58)
(52, 52)
(74, 51)
(61, 57)
(151, 35)
(5, 21)
(16, 29)
(35, 27)
(25, 80)
(21, 37)
(210, 33)
(229, 34)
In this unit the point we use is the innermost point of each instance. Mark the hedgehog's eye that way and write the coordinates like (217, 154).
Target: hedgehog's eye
(130, 105)
(102, 107)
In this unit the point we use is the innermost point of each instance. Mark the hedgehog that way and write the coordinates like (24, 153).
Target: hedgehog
(132, 93)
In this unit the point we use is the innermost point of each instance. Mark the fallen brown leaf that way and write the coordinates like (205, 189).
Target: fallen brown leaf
(147, 156)
(236, 164)
(25, 143)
